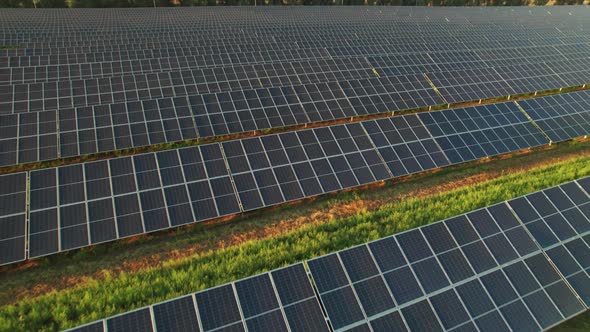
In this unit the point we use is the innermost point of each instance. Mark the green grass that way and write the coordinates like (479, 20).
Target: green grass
(578, 323)
(117, 293)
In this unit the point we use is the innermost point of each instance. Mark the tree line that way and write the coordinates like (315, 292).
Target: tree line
(177, 3)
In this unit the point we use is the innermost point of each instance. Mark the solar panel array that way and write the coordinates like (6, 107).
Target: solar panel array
(519, 265)
(116, 79)
(84, 204)
(78, 82)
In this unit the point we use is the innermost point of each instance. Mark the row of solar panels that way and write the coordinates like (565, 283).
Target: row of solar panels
(287, 32)
(38, 136)
(264, 24)
(255, 109)
(84, 204)
(393, 32)
(176, 59)
(138, 49)
(391, 45)
(484, 58)
(244, 43)
(520, 265)
(435, 61)
(516, 78)
(437, 25)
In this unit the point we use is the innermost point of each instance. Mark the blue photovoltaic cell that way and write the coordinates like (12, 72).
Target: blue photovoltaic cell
(272, 321)
(176, 315)
(390, 322)
(342, 307)
(430, 275)
(449, 309)
(330, 271)
(217, 307)
(306, 316)
(358, 263)
(256, 295)
(292, 284)
(139, 320)
(475, 298)
(403, 285)
(92, 327)
(414, 246)
(542, 308)
(421, 317)
(387, 254)
(492, 321)
(374, 296)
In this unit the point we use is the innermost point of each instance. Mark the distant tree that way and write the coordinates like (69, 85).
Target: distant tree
(17, 3)
(51, 3)
(169, 3)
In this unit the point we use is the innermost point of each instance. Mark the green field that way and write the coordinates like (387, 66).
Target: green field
(155, 271)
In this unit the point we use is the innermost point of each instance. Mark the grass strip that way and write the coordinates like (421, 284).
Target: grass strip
(114, 294)
(579, 323)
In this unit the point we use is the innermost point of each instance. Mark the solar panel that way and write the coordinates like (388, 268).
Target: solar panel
(405, 144)
(13, 217)
(28, 137)
(139, 320)
(475, 132)
(87, 130)
(487, 269)
(570, 70)
(178, 315)
(106, 200)
(100, 201)
(559, 221)
(531, 77)
(561, 117)
(470, 84)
